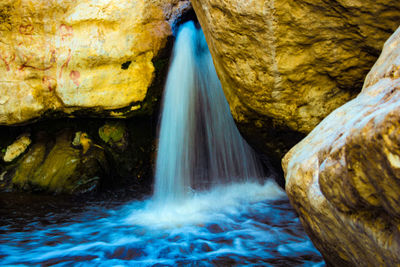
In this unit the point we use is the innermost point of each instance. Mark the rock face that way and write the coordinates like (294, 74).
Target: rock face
(285, 65)
(343, 179)
(76, 156)
(68, 56)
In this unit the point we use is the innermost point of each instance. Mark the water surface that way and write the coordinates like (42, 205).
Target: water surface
(241, 224)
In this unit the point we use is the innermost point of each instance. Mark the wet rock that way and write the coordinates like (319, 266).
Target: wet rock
(343, 178)
(114, 134)
(285, 65)
(82, 140)
(75, 58)
(129, 146)
(17, 148)
(55, 166)
(123, 165)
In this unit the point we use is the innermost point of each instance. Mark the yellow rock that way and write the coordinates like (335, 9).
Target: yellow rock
(82, 139)
(70, 55)
(17, 148)
(85, 142)
(343, 178)
(285, 65)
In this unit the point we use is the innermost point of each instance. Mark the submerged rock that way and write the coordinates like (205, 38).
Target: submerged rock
(285, 65)
(343, 179)
(80, 57)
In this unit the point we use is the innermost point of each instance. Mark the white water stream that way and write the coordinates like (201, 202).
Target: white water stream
(199, 145)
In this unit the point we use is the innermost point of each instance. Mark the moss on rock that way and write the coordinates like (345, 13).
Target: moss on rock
(59, 168)
(114, 133)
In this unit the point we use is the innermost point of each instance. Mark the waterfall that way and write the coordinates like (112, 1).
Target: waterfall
(199, 145)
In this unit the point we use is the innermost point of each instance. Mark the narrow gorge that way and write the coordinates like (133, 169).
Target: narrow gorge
(199, 133)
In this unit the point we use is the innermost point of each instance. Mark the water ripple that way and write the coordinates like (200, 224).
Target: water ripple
(242, 224)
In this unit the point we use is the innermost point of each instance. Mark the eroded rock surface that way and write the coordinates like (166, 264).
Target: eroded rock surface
(17, 148)
(344, 178)
(73, 55)
(285, 65)
(76, 156)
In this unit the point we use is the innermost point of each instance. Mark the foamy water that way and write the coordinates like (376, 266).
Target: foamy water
(241, 224)
(204, 207)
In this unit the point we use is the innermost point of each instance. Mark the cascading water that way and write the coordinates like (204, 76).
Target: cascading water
(239, 221)
(199, 144)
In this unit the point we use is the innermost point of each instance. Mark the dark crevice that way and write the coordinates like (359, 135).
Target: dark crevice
(126, 65)
(189, 15)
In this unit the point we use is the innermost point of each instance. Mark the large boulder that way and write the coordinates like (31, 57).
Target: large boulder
(85, 56)
(343, 178)
(285, 65)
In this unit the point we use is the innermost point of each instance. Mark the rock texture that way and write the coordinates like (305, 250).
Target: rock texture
(55, 166)
(285, 65)
(344, 178)
(69, 55)
(17, 148)
(76, 156)
(130, 148)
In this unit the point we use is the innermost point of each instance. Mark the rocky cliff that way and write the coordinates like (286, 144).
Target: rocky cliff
(285, 65)
(343, 179)
(85, 56)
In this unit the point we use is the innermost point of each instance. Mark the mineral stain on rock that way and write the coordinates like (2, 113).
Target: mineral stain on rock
(75, 75)
(50, 48)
